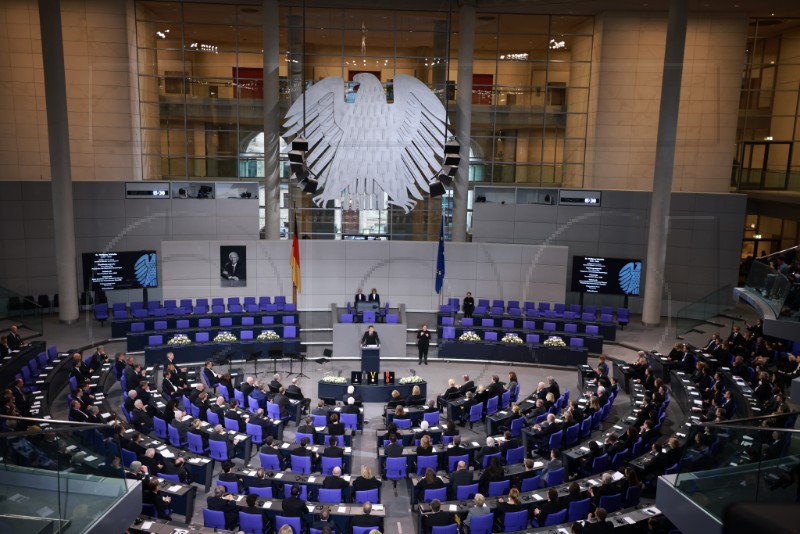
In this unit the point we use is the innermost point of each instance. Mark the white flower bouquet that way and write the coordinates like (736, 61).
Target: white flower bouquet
(411, 380)
(179, 341)
(469, 336)
(331, 379)
(224, 337)
(554, 341)
(512, 339)
(268, 335)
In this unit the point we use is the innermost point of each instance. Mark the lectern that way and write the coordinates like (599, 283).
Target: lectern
(370, 358)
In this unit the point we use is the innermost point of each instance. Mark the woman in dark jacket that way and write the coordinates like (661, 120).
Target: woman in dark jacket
(430, 481)
(492, 473)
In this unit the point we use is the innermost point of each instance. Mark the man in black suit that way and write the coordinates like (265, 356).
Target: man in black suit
(133, 374)
(324, 520)
(14, 339)
(393, 449)
(613, 446)
(601, 526)
(509, 442)
(648, 433)
(209, 374)
(220, 435)
(370, 337)
(247, 386)
(308, 428)
(437, 517)
(282, 401)
(231, 413)
(270, 449)
(293, 506)
(552, 387)
(495, 389)
(226, 503)
(154, 464)
(461, 477)
(77, 414)
(321, 409)
(350, 407)
(168, 389)
(532, 415)
(456, 449)
(177, 467)
(335, 481)
(180, 425)
(294, 392)
(143, 392)
(263, 421)
(275, 385)
(489, 448)
(367, 520)
(99, 358)
(468, 403)
(140, 419)
(333, 450)
(467, 385)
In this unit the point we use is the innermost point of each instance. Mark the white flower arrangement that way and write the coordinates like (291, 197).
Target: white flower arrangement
(179, 341)
(331, 379)
(268, 335)
(554, 341)
(512, 339)
(469, 336)
(411, 380)
(224, 337)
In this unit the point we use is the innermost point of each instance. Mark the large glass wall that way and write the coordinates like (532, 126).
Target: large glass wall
(201, 90)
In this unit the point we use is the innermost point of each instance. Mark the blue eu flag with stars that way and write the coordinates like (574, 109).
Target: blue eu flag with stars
(440, 260)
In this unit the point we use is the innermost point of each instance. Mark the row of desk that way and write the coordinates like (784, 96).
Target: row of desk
(592, 342)
(140, 340)
(201, 352)
(522, 353)
(608, 331)
(121, 327)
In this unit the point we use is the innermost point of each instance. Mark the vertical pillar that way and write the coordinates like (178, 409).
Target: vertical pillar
(55, 94)
(466, 43)
(665, 160)
(272, 125)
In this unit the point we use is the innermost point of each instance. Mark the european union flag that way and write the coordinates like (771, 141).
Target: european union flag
(440, 259)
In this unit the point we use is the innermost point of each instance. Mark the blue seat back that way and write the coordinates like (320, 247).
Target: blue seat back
(452, 461)
(515, 521)
(499, 487)
(368, 495)
(213, 519)
(554, 477)
(301, 464)
(556, 518)
(481, 524)
(515, 456)
(330, 495)
(269, 461)
(531, 483)
(430, 494)
(611, 503)
(396, 468)
(578, 510)
(264, 493)
(466, 492)
(424, 462)
(219, 450)
(329, 463)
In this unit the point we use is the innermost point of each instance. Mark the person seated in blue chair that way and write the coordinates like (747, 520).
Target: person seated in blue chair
(367, 520)
(150, 496)
(222, 501)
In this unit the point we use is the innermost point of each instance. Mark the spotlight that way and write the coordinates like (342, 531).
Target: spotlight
(446, 180)
(436, 189)
(300, 143)
(451, 160)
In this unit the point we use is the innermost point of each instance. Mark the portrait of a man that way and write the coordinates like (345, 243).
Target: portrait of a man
(233, 260)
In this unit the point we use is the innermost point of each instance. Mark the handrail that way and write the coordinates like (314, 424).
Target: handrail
(727, 423)
(72, 426)
(776, 253)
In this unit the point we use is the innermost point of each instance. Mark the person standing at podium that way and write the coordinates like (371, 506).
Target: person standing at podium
(370, 337)
(374, 297)
(423, 341)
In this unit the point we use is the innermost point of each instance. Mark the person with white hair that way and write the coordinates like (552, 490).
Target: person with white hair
(275, 385)
(352, 392)
(350, 407)
(294, 392)
(490, 448)
(423, 429)
(140, 419)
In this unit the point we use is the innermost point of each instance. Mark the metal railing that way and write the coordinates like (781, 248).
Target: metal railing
(702, 310)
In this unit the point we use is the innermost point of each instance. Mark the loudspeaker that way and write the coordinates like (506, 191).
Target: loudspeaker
(436, 189)
(300, 143)
(327, 353)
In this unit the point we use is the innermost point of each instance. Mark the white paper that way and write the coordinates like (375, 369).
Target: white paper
(653, 509)
(537, 465)
(348, 450)
(311, 480)
(617, 476)
(377, 507)
(175, 487)
(285, 445)
(167, 454)
(346, 477)
(310, 508)
(628, 520)
(90, 458)
(342, 509)
(146, 525)
(278, 475)
(476, 444)
(267, 504)
(453, 507)
(538, 497)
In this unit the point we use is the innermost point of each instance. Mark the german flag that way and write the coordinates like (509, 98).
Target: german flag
(295, 260)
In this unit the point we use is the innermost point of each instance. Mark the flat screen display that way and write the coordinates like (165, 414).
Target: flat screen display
(106, 271)
(611, 276)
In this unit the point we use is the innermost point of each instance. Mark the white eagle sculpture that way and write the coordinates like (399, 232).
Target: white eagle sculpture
(359, 151)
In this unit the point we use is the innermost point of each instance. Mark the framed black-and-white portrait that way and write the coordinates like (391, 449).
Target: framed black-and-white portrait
(233, 265)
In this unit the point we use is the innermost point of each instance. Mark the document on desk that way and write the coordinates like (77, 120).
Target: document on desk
(310, 508)
(453, 507)
(476, 444)
(278, 475)
(286, 445)
(628, 520)
(311, 480)
(617, 476)
(537, 465)
(146, 525)
(377, 507)
(267, 504)
(90, 458)
(538, 497)
(342, 509)
(175, 488)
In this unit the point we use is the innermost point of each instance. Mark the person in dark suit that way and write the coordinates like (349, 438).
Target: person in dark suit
(393, 449)
(468, 403)
(613, 446)
(367, 520)
(416, 398)
(251, 507)
(263, 421)
(366, 481)
(234, 269)
(495, 389)
(220, 435)
(333, 450)
(150, 496)
(395, 401)
(231, 413)
(140, 419)
(324, 520)
(350, 407)
(456, 449)
(5, 349)
(282, 401)
(360, 297)
(468, 305)
(293, 506)
(423, 342)
(606, 489)
(269, 449)
(153, 463)
(98, 358)
(550, 507)
(13, 338)
(509, 442)
(662, 460)
(308, 428)
(374, 297)
(600, 526)
(461, 477)
(437, 517)
(508, 504)
(226, 503)
(180, 425)
(77, 414)
(489, 448)
(227, 475)
(370, 337)
(275, 385)
(335, 428)
(247, 386)
(209, 374)
(335, 481)
(466, 385)
(293, 391)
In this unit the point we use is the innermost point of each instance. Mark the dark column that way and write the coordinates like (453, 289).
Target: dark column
(665, 160)
(55, 93)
